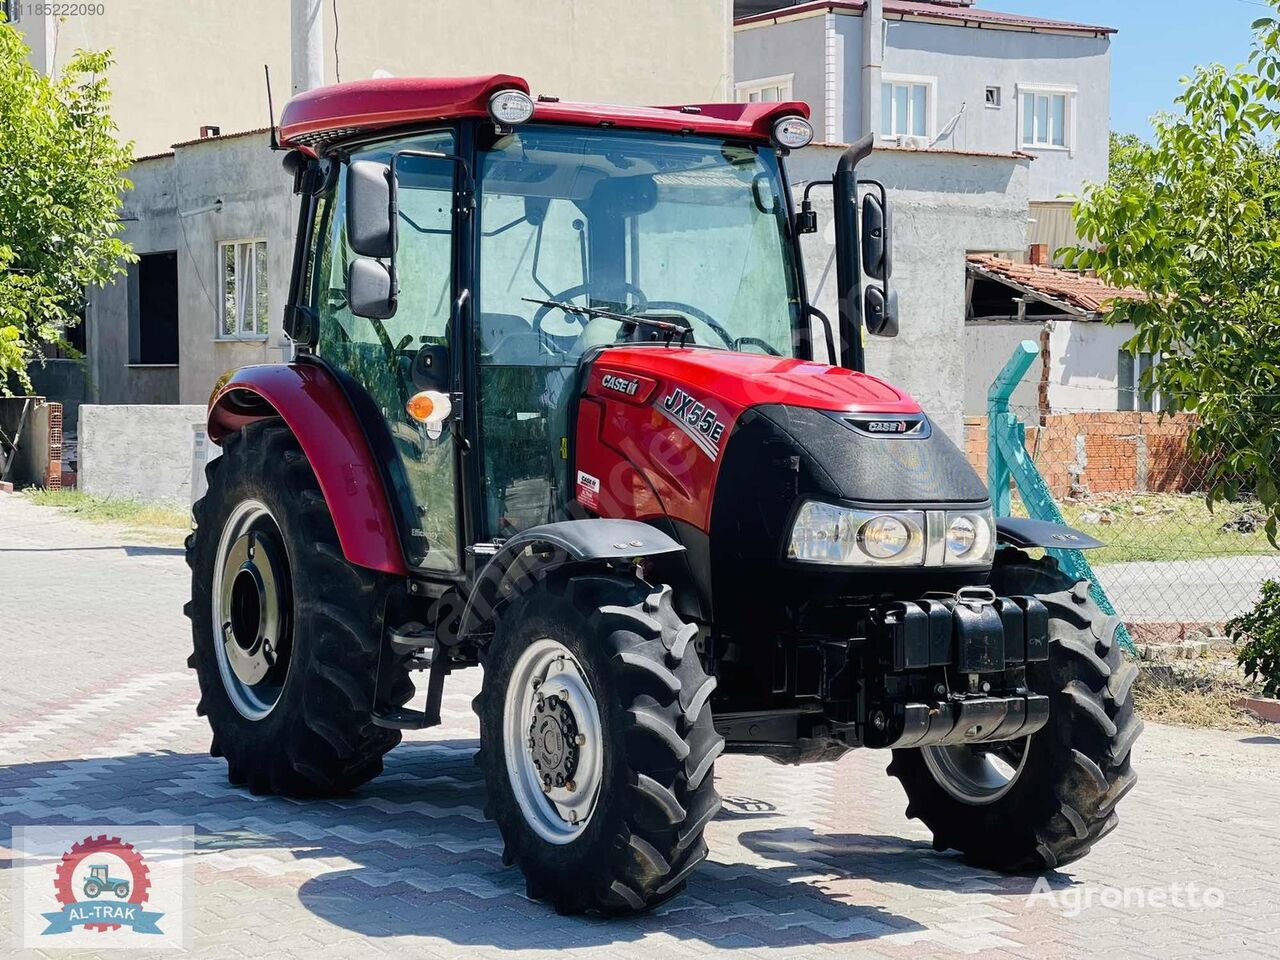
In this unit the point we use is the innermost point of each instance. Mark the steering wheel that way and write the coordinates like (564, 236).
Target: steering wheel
(565, 296)
(704, 317)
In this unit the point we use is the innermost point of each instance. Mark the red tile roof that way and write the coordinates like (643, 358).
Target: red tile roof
(1083, 292)
(957, 12)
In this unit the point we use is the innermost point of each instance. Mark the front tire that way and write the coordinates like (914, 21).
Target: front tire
(1062, 791)
(628, 835)
(287, 674)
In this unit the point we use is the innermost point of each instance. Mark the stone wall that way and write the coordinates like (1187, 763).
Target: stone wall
(138, 451)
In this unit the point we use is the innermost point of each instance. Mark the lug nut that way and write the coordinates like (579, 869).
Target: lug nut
(571, 785)
(580, 739)
(878, 720)
(531, 743)
(940, 689)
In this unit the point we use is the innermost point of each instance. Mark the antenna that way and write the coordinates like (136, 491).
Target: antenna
(271, 110)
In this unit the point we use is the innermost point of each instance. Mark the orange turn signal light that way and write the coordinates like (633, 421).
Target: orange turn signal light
(429, 406)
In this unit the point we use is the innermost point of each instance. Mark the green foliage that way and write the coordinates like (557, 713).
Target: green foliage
(1257, 634)
(1191, 223)
(1127, 153)
(59, 195)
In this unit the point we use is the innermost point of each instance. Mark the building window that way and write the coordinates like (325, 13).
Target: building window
(993, 96)
(1130, 395)
(765, 90)
(153, 309)
(906, 106)
(1046, 118)
(243, 265)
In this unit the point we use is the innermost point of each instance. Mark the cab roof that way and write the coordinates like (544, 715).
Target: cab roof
(320, 117)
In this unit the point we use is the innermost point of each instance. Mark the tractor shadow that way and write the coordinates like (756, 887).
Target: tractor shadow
(410, 854)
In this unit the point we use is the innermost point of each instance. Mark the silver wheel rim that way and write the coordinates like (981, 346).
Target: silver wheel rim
(978, 776)
(552, 741)
(250, 610)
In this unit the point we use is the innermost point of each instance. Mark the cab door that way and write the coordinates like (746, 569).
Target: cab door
(392, 360)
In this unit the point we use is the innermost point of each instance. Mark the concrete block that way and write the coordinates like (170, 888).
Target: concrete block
(138, 451)
(1264, 708)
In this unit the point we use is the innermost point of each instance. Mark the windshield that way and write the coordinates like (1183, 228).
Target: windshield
(689, 231)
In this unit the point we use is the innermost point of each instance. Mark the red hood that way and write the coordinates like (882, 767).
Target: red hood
(748, 379)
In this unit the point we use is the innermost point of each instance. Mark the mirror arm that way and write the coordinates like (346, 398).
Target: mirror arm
(848, 254)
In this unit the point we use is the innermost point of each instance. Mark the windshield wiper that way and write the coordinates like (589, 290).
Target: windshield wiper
(664, 325)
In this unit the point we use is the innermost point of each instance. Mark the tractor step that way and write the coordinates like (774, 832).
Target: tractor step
(412, 639)
(405, 719)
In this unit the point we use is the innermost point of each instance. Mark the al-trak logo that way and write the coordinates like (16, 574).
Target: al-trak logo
(102, 884)
(700, 422)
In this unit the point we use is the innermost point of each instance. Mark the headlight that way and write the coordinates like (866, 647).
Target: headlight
(832, 534)
(970, 538)
(826, 533)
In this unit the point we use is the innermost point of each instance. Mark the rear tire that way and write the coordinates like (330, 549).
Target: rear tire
(316, 736)
(1077, 767)
(643, 836)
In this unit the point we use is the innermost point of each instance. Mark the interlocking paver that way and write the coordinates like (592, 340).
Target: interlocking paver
(97, 724)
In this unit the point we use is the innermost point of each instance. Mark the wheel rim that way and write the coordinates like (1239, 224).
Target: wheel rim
(552, 741)
(251, 609)
(978, 775)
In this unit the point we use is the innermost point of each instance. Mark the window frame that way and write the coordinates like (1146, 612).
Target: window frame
(930, 105)
(743, 89)
(239, 335)
(1130, 367)
(1069, 95)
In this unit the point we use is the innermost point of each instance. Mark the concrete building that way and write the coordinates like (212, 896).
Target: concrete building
(942, 75)
(213, 218)
(180, 66)
(1083, 366)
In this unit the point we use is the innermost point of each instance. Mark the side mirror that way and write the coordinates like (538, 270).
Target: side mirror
(369, 289)
(877, 248)
(371, 230)
(875, 239)
(880, 313)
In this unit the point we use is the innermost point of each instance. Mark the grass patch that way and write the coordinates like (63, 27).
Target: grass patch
(1165, 526)
(151, 520)
(1185, 703)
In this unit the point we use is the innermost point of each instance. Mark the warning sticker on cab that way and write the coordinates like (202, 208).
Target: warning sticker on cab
(588, 493)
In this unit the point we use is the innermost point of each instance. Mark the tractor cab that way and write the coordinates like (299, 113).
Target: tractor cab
(459, 275)
(561, 407)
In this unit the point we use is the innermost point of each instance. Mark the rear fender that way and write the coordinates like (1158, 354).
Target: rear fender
(313, 405)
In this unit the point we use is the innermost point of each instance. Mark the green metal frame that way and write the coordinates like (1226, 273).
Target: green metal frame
(1008, 462)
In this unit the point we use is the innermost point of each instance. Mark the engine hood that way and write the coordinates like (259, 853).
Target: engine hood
(743, 380)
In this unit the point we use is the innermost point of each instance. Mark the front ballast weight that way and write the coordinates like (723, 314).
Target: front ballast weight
(975, 641)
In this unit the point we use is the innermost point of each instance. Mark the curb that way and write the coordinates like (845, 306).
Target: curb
(1264, 708)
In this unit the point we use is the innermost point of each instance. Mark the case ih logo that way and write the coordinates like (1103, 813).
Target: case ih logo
(624, 385)
(702, 424)
(890, 426)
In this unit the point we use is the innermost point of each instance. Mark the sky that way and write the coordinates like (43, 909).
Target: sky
(1159, 41)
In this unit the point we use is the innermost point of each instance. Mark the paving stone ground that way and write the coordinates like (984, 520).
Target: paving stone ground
(97, 725)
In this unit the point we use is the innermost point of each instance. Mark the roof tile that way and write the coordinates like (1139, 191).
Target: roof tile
(1079, 290)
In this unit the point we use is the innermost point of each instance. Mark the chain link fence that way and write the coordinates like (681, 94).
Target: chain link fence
(1171, 566)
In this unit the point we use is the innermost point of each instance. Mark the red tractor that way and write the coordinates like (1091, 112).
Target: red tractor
(557, 411)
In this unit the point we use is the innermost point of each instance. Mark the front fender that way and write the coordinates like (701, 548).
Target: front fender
(315, 408)
(555, 544)
(1026, 532)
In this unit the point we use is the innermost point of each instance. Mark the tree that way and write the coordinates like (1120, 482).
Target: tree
(59, 195)
(1127, 151)
(1192, 226)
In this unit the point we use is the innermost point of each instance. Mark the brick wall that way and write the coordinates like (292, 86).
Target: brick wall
(1102, 452)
